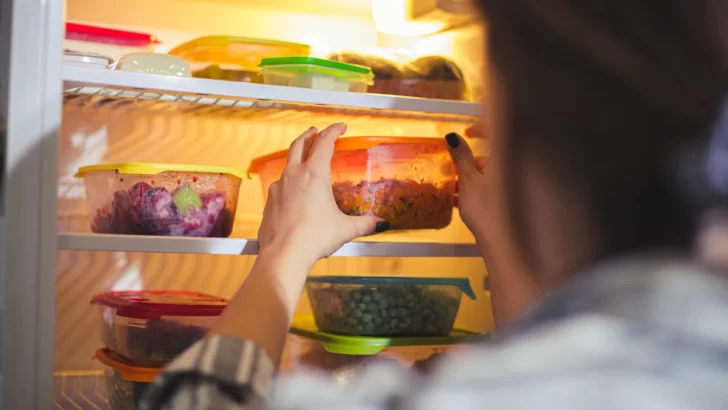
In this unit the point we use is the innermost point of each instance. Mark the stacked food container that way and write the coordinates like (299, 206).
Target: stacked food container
(143, 330)
(409, 182)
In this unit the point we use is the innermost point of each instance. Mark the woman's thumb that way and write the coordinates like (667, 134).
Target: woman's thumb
(461, 155)
(368, 225)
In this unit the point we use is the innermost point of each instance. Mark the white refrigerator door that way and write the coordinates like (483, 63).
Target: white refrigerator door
(31, 37)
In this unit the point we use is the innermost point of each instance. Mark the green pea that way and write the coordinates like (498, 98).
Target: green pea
(366, 317)
(394, 312)
(363, 306)
(383, 304)
(366, 299)
(352, 304)
(356, 296)
(378, 320)
(357, 313)
(351, 321)
(378, 296)
(372, 306)
(391, 300)
(384, 313)
(394, 323)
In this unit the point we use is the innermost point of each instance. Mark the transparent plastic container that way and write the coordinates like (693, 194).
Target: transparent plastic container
(125, 382)
(161, 199)
(386, 306)
(154, 63)
(409, 182)
(91, 60)
(317, 73)
(152, 327)
(425, 77)
(233, 58)
(107, 41)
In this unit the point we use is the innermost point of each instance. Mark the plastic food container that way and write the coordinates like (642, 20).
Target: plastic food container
(77, 58)
(161, 199)
(317, 73)
(233, 58)
(425, 77)
(125, 381)
(152, 327)
(379, 306)
(154, 63)
(107, 41)
(409, 182)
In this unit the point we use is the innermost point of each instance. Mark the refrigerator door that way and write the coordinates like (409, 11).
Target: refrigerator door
(31, 33)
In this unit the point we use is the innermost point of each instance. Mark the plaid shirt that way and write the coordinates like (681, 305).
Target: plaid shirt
(643, 333)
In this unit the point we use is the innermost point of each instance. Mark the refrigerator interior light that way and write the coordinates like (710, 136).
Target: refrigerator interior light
(392, 17)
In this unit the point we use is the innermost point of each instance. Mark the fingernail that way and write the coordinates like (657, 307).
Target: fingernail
(382, 226)
(453, 140)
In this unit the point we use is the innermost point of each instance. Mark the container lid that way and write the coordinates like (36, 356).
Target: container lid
(96, 34)
(151, 168)
(128, 370)
(318, 62)
(461, 283)
(71, 56)
(237, 51)
(349, 144)
(153, 304)
(304, 325)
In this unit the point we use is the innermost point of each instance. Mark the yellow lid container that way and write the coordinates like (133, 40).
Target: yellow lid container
(244, 53)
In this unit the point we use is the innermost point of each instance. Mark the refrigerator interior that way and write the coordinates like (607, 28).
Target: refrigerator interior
(122, 129)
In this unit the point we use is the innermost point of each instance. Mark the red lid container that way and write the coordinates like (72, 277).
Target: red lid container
(152, 327)
(153, 304)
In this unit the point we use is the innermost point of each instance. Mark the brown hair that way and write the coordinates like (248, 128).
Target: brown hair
(606, 93)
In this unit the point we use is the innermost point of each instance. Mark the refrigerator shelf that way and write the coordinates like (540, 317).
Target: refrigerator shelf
(242, 246)
(82, 84)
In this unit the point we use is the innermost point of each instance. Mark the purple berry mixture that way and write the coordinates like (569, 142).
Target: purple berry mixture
(148, 210)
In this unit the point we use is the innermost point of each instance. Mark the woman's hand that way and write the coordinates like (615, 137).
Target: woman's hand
(473, 182)
(301, 216)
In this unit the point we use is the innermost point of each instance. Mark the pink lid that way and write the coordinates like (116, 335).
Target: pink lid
(96, 34)
(153, 304)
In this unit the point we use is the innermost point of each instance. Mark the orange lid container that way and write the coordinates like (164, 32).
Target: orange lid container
(408, 181)
(128, 370)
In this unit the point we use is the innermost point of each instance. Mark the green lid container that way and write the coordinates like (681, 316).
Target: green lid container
(386, 306)
(304, 325)
(316, 73)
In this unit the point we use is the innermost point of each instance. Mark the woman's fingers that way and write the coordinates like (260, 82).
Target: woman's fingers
(297, 152)
(481, 163)
(475, 131)
(461, 155)
(322, 149)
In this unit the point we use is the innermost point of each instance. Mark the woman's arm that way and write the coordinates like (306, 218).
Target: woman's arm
(233, 366)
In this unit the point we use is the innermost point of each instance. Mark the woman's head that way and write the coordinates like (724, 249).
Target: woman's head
(590, 104)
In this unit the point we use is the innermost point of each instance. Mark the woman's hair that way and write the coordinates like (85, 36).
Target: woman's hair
(610, 96)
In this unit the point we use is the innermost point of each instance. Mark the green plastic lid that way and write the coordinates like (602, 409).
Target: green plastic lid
(304, 325)
(320, 62)
(461, 283)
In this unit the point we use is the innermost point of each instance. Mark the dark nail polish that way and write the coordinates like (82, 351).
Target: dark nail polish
(382, 226)
(453, 140)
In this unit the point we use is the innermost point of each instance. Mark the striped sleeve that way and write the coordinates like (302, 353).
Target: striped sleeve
(218, 372)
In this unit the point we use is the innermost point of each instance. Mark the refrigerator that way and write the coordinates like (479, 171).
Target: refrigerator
(57, 117)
